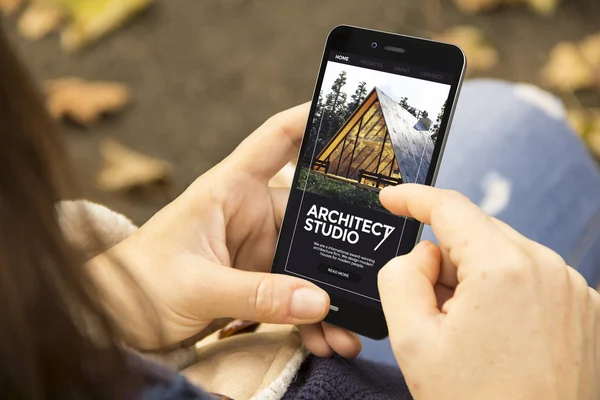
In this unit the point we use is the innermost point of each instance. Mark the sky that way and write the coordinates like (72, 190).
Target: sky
(423, 95)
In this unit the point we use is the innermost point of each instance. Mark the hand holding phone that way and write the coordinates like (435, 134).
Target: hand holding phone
(379, 117)
(523, 324)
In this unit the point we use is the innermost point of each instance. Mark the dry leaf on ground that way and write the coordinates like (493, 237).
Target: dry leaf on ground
(126, 169)
(91, 19)
(567, 69)
(545, 7)
(238, 326)
(590, 49)
(593, 133)
(580, 120)
(593, 143)
(586, 123)
(475, 6)
(39, 20)
(480, 54)
(8, 7)
(84, 102)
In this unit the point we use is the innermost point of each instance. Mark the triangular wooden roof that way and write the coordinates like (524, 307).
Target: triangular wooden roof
(413, 149)
(348, 125)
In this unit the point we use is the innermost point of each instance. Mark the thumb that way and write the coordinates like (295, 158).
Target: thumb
(263, 297)
(406, 287)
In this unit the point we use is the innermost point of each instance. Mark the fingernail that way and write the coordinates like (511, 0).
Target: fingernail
(426, 245)
(307, 303)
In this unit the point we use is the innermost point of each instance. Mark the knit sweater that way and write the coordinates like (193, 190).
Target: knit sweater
(339, 378)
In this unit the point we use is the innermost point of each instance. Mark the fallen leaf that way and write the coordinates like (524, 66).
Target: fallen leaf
(475, 6)
(480, 55)
(593, 131)
(9, 7)
(126, 169)
(92, 19)
(580, 120)
(84, 102)
(39, 20)
(593, 142)
(590, 49)
(543, 7)
(238, 326)
(567, 69)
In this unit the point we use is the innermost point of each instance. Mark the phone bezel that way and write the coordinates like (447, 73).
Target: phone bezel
(438, 56)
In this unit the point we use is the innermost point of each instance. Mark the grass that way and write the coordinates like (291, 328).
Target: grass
(325, 186)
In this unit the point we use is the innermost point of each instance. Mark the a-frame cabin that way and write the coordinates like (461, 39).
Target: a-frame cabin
(380, 144)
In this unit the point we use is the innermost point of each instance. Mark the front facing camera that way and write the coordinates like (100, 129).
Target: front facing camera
(374, 45)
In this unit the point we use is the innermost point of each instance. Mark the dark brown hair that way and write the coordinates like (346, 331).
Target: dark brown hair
(45, 294)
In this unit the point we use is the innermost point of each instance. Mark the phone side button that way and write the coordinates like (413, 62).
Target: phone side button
(333, 308)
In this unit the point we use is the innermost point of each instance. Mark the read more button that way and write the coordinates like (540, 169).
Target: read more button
(339, 273)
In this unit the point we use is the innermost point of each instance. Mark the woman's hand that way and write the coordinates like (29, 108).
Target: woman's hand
(489, 314)
(207, 254)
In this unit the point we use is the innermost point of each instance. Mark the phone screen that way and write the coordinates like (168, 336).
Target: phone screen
(375, 123)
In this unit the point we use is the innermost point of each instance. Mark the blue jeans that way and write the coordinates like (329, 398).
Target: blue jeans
(512, 152)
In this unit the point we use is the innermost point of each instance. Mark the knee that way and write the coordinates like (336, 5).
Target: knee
(516, 97)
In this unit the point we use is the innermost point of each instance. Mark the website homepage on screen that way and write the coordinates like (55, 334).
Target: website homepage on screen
(375, 125)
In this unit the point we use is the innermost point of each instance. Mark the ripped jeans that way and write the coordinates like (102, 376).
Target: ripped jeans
(512, 152)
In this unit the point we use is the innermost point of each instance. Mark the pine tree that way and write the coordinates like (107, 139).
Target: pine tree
(319, 109)
(441, 114)
(435, 129)
(357, 98)
(334, 110)
(404, 102)
(336, 97)
(314, 130)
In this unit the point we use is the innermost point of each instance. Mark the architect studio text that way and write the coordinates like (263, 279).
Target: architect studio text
(345, 227)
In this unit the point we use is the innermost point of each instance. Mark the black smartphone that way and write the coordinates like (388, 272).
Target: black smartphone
(380, 115)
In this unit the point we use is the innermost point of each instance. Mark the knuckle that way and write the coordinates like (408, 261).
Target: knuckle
(263, 300)
(594, 297)
(407, 344)
(280, 122)
(453, 197)
(578, 283)
(445, 206)
(549, 258)
(516, 264)
(275, 119)
(389, 272)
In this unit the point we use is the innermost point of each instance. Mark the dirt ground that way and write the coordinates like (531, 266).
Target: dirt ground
(206, 73)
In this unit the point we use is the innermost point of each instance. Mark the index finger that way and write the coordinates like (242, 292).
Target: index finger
(273, 144)
(462, 228)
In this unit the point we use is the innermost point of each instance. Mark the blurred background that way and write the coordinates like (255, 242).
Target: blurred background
(150, 94)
